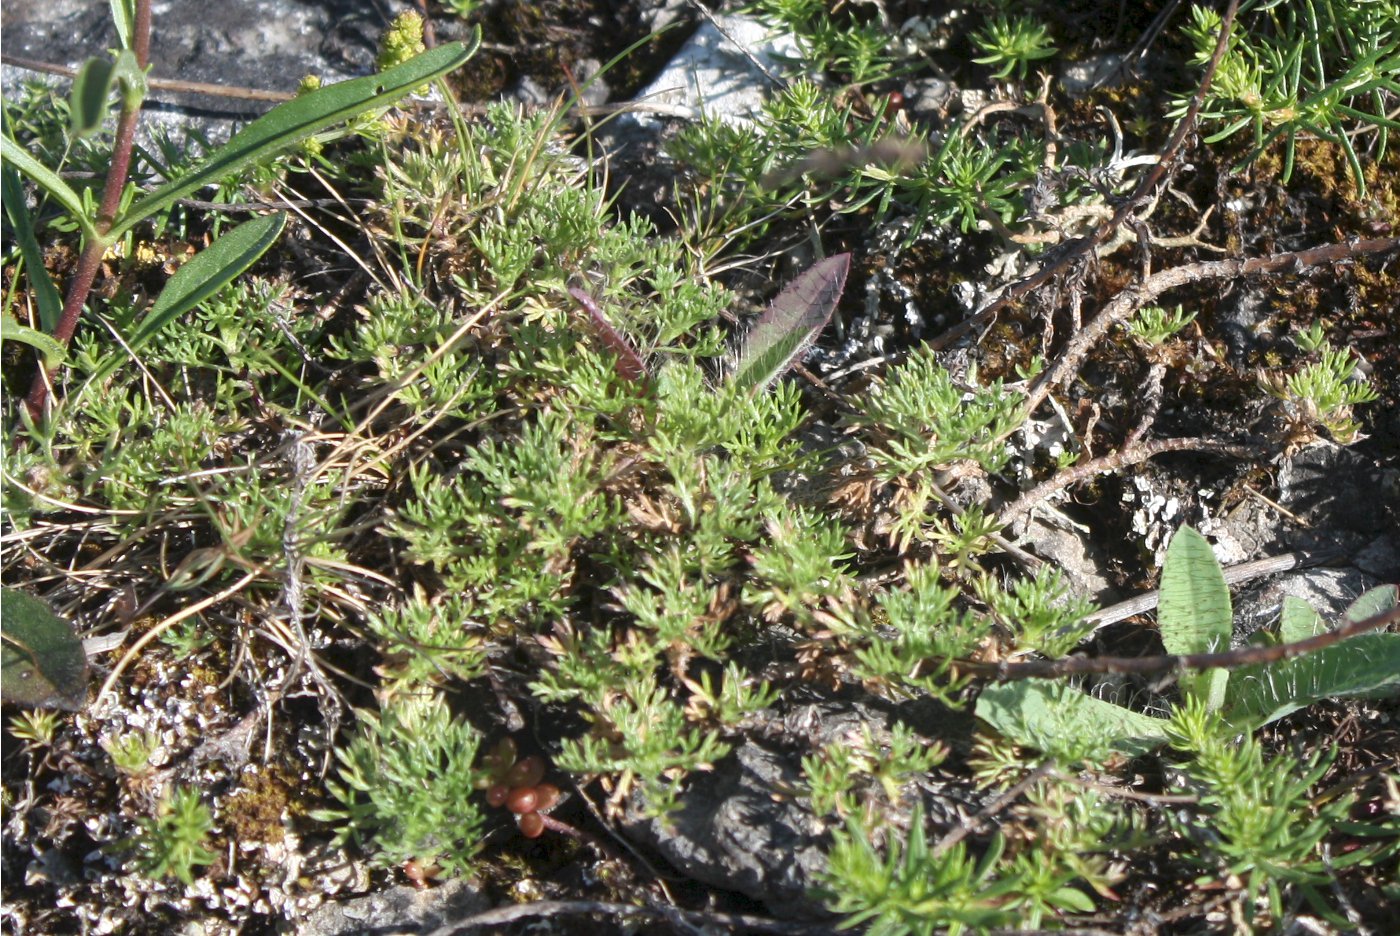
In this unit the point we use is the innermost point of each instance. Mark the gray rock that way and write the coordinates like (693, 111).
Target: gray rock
(1327, 591)
(717, 73)
(400, 909)
(744, 827)
(268, 45)
(732, 832)
(1079, 78)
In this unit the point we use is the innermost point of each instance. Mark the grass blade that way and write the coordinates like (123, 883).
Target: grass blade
(46, 297)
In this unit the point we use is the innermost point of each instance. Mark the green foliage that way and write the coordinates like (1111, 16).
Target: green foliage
(35, 726)
(805, 150)
(833, 40)
(174, 841)
(575, 485)
(1194, 618)
(1312, 68)
(1324, 391)
(1193, 614)
(1011, 45)
(44, 662)
(791, 324)
(921, 422)
(912, 889)
(132, 751)
(406, 786)
(1259, 820)
(1154, 325)
(836, 770)
(929, 630)
(426, 643)
(276, 131)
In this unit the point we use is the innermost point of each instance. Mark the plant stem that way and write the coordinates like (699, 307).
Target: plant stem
(91, 259)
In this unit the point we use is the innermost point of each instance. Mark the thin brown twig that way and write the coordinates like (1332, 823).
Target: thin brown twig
(167, 85)
(1089, 242)
(501, 916)
(963, 830)
(1007, 671)
(1132, 455)
(1136, 296)
(90, 261)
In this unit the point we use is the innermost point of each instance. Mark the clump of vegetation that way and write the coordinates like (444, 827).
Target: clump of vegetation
(539, 454)
(174, 841)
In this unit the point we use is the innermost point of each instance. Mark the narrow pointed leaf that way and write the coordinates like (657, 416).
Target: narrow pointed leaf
(49, 181)
(42, 663)
(53, 352)
(630, 365)
(293, 121)
(41, 286)
(209, 271)
(124, 18)
(791, 324)
(1193, 614)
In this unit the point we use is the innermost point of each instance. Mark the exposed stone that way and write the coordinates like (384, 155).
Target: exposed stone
(399, 909)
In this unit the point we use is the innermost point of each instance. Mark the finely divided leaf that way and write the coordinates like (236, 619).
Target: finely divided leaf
(791, 323)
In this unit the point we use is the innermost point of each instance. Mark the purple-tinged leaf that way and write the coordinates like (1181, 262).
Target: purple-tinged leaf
(629, 362)
(791, 324)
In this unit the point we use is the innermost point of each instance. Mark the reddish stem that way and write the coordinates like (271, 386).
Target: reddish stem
(91, 259)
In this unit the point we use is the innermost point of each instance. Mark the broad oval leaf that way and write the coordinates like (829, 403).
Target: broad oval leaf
(208, 271)
(1298, 621)
(1193, 614)
(1376, 601)
(43, 663)
(288, 123)
(1037, 712)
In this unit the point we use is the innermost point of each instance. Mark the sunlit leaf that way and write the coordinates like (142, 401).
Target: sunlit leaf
(209, 271)
(791, 323)
(1041, 713)
(288, 123)
(43, 663)
(1193, 614)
